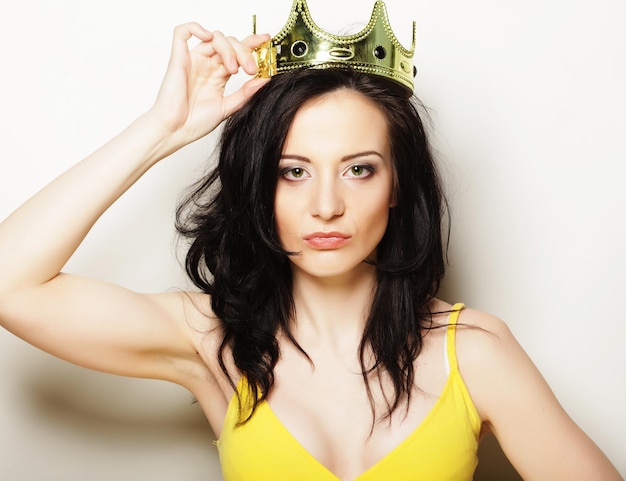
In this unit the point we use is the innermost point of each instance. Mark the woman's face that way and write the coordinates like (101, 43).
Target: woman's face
(335, 184)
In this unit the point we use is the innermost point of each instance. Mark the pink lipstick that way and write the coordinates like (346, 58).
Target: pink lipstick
(326, 240)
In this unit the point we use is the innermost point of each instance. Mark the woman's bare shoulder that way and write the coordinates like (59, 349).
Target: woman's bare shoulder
(486, 350)
(484, 322)
(469, 317)
(483, 341)
(200, 328)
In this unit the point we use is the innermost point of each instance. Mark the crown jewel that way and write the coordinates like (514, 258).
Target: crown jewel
(373, 50)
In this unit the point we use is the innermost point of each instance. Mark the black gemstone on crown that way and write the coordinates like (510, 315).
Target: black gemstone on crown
(299, 48)
(380, 52)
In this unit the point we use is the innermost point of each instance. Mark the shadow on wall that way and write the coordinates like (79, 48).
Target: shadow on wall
(493, 465)
(81, 425)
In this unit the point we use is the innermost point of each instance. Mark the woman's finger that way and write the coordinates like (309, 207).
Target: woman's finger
(253, 41)
(243, 50)
(182, 34)
(225, 50)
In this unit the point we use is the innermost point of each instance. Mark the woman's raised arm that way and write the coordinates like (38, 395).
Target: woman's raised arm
(88, 322)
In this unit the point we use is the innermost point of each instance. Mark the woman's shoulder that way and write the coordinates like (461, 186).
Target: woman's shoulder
(202, 325)
(199, 327)
(478, 321)
(492, 362)
(191, 309)
(483, 340)
(201, 372)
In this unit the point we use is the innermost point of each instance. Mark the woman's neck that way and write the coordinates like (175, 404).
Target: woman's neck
(333, 310)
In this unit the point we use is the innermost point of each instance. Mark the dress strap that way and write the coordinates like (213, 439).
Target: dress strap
(451, 336)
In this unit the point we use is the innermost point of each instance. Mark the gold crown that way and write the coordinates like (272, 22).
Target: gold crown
(301, 43)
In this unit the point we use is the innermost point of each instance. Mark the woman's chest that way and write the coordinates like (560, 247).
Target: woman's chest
(287, 438)
(329, 411)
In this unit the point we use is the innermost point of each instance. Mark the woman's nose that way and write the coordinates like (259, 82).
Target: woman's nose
(326, 199)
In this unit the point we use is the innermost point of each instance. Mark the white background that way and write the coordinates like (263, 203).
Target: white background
(528, 109)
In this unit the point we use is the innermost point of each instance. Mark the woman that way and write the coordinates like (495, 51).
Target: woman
(340, 199)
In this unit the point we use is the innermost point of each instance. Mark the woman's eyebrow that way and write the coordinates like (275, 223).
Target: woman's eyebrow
(366, 153)
(295, 157)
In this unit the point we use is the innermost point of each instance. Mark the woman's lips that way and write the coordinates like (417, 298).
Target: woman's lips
(326, 240)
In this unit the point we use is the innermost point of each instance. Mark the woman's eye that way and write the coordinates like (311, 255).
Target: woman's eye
(359, 171)
(293, 173)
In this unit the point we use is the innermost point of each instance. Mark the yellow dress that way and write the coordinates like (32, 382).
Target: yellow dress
(441, 448)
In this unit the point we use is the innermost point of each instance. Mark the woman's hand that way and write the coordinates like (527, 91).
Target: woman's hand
(191, 101)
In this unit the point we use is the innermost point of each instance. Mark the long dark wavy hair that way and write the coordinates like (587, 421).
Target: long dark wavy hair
(235, 254)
